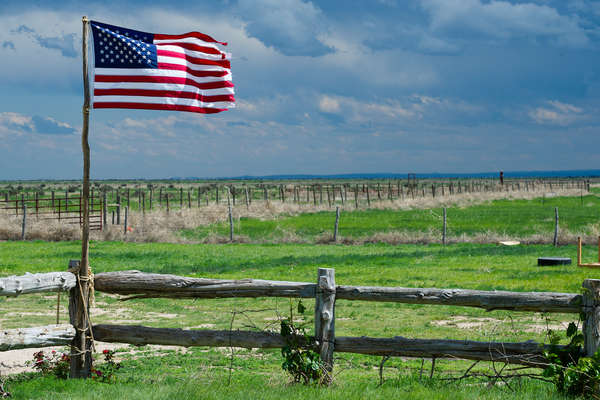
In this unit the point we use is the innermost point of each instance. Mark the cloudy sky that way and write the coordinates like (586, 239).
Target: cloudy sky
(321, 87)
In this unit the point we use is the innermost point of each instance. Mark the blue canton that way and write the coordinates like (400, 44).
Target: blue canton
(116, 47)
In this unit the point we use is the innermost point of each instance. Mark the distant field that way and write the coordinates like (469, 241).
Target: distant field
(532, 220)
(202, 373)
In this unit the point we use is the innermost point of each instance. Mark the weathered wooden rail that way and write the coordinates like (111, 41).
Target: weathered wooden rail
(136, 284)
(41, 336)
(158, 285)
(37, 283)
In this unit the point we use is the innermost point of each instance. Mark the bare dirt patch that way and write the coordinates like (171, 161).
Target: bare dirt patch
(15, 361)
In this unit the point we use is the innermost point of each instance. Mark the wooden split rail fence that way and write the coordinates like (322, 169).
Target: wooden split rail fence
(325, 291)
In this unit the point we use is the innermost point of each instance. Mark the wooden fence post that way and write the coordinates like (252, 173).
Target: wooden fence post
(591, 309)
(555, 241)
(325, 318)
(118, 209)
(24, 224)
(444, 228)
(125, 224)
(81, 355)
(104, 218)
(337, 221)
(230, 218)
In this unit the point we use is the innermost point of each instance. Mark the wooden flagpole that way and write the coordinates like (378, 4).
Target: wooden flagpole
(81, 357)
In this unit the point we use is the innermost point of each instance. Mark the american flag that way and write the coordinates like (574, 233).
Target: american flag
(135, 69)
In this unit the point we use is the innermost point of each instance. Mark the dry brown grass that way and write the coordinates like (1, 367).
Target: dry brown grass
(163, 226)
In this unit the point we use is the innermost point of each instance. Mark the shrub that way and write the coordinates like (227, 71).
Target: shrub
(57, 364)
(300, 360)
(105, 372)
(572, 374)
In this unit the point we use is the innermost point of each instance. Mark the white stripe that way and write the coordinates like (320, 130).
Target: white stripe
(193, 40)
(162, 86)
(191, 65)
(159, 72)
(192, 53)
(162, 100)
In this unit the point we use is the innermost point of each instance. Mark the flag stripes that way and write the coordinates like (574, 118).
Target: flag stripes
(136, 69)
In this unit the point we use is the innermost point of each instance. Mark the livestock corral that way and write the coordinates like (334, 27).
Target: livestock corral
(348, 289)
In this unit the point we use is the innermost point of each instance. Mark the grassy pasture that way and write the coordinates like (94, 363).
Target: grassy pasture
(517, 218)
(204, 373)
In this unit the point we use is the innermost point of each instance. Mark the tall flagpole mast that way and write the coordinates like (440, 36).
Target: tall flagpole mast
(81, 356)
(85, 146)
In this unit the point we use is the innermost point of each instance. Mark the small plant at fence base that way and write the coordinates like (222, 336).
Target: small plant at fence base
(105, 372)
(53, 363)
(58, 364)
(571, 373)
(300, 360)
(4, 393)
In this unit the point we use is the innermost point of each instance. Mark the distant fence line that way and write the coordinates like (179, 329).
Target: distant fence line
(325, 292)
(112, 205)
(331, 194)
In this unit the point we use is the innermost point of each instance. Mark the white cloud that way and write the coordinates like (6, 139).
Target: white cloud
(556, 113)
(357, 110)
(293, 27)
(16, 124)
(504, 20)
(329, 104)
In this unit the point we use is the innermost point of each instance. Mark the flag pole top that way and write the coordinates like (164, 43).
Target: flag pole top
(85, 19)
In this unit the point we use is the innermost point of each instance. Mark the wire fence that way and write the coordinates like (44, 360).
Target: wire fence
(392, 212)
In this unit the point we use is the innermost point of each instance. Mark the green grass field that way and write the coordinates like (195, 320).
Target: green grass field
(205, 373)
(516, 218)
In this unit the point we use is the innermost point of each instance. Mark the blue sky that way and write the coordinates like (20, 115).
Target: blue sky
(321, 87)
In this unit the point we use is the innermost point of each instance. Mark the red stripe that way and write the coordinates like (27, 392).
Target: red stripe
(194, 60)
(144, 106)
(200, 74)
(163, 79)
(193, 47)
(163, 93)
(197, 35)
